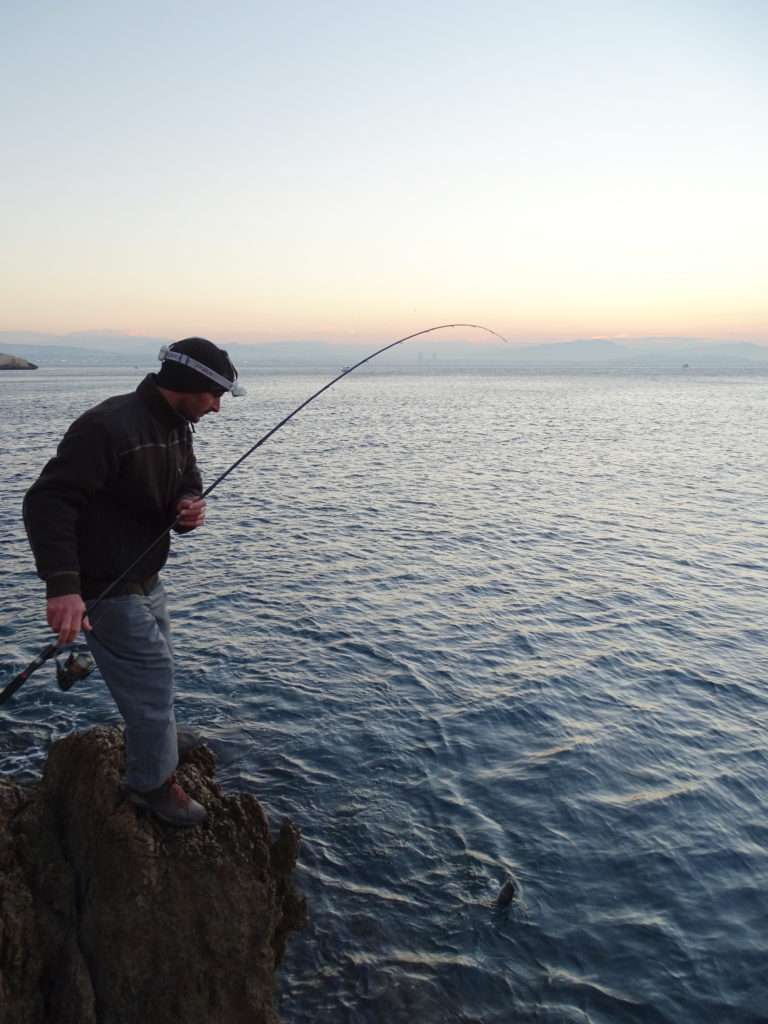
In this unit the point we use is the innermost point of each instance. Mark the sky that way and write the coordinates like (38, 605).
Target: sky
(356, 170)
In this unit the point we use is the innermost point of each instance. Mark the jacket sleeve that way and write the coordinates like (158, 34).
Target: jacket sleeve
(83, 463)
(191, 484)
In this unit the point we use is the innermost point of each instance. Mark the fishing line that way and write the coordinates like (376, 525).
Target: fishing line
(52, 649)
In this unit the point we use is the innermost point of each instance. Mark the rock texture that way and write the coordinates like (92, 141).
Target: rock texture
(107, 917)
(15, 363)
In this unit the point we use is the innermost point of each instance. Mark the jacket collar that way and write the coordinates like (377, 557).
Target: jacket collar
(149, 393)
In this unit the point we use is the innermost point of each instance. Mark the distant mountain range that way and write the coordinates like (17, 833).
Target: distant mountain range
(111, 349)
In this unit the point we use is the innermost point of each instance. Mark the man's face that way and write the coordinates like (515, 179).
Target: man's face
(194, 405)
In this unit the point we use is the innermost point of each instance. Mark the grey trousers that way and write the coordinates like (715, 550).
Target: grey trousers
(131, 643)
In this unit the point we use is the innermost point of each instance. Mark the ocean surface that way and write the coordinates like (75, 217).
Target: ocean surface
(462, 627)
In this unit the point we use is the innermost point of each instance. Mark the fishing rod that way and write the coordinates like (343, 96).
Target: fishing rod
(52, 649)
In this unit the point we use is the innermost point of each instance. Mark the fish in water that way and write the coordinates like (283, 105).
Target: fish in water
(507, 893)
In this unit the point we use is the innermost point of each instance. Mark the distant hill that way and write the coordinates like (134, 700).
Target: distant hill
(83, 349)
(67, 355)
(15, 363)
(590, 350)
(672, 351)
(109, 349)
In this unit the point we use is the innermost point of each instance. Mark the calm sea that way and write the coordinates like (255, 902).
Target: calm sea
(461, 627)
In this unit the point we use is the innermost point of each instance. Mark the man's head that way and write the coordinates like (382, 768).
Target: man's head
(194, 375)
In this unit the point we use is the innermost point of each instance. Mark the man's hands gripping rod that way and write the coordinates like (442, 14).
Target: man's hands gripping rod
(67, 614)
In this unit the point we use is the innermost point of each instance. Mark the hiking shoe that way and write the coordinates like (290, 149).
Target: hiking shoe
(171, 805)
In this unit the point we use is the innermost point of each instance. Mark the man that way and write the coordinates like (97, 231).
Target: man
(123, 473)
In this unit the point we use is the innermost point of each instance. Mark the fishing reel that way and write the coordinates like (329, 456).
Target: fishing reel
(76, 666)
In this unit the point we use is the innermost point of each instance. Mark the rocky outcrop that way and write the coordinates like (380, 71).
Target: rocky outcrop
(15, 363)
(107, 917)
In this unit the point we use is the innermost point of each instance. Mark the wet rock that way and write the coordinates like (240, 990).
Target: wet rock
(107, 916)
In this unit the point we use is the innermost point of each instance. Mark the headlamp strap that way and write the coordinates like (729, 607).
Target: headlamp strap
(223, 382)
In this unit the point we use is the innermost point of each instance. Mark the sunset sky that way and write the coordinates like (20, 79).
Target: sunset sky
(351, 170)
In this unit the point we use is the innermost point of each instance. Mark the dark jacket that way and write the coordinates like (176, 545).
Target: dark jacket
(109, 492)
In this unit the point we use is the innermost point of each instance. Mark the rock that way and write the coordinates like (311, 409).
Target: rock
(107, 916)
(15, 363)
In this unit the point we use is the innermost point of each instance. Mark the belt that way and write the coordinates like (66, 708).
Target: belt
(143, 587)
(94, 588)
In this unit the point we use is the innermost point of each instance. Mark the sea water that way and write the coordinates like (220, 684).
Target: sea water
(465, 627)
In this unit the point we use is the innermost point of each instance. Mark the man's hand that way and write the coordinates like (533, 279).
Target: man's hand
(190, 513)
(65, 617)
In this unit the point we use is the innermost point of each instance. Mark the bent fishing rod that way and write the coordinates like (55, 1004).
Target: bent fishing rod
(52, 649)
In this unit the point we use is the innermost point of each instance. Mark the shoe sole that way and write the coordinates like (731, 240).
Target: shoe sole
(142, 805)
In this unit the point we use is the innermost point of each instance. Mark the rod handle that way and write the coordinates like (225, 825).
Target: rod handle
(23, 676)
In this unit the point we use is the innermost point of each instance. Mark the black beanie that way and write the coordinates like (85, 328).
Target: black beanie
(177, 377)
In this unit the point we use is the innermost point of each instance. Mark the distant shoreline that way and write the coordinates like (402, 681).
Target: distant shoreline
(598, 354)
